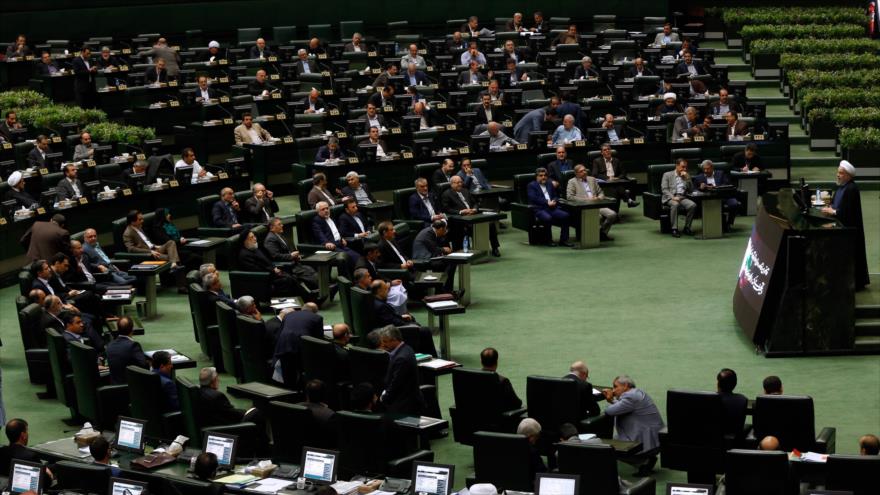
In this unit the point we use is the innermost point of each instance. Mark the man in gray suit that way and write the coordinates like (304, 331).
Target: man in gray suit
(666, 37)
(675, 184)
(582, 187)
(637, 420)
(70, 187)
(85, 150)
(166, 53)
(686, 124)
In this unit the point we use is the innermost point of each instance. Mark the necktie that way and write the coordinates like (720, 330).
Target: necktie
(232, 213)
(428, 206)
(88, 274)
(360, 224)
(466, 205)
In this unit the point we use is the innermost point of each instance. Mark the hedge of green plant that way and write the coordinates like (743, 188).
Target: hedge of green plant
(830, 61)
(51, 116)
(860, 138)
(743, 16)
(815, 78)
(21, 99)
(111, 132)
(839, 98)
(794, 31)
(846, 117)
(811, 46)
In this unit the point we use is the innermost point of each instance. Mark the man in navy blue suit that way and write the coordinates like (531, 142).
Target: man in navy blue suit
(422, 204)
(414, 77)
(544, 201)
(401, 394)
(226, 210)
(124, 351)
(557, 168)
(690, 67)
(353, 223)
(710, 179)
(326, 232)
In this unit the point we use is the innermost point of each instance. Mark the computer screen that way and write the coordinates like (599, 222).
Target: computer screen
(556, 484)
(432, 479)
(25, 476)
(223, 446)
(688, 489)
(130, 434)
(826, 492)
(119, 486)
(319, 465)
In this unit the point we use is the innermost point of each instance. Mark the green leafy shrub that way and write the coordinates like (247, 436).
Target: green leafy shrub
(794, 31)
(743, 16)
(815, 78)
(811, 46)
(18, 99)
(846, 117)
(112, 132)
(839, 98)
(830, 61)
(860, 138)
(51, 116)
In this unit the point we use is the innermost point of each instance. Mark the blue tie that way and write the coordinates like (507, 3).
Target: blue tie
(232, 213)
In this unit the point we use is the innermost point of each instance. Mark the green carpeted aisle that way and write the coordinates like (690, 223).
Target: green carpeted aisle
(653, 307)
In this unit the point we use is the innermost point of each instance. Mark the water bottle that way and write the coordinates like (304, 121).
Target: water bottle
(466, 244)
(818, 195)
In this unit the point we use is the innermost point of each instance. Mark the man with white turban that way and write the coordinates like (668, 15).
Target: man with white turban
(846, 206)
(22, 198)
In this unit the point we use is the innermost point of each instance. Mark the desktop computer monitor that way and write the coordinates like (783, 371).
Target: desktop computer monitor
(688, 489)
(319, 465)
(223, 446)
(432, 479)
(130, 435)
(119, 486)
(557, 484)
(25, 477)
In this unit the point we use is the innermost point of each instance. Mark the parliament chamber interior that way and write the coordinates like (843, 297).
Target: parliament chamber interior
(562, 248)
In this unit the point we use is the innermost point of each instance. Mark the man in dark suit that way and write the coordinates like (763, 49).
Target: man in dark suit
(164, 367)
(325, 231)
(509, 399)
(485, 113)
(313, 103)
(390, 254)
(557, 168)
(382, 80)
(456, 44)
(724, 104)
(216, 410)
(205, 93)
(609, 168)
(544, 202)
(580, 374)
(353, 223)
(294, 326)
(305, 65)
(36, 158)
(84, 82)
(17, 193)
(431, 243)
(17, 433)
(260, 50)
(735, 127)
(586, 69)
(710, 179)
(515, 23)
(383, 98)
(259, 86)
(414, 77)
(401, 393)
(734, 404)
(8, 126)
(615, 132)
(330, 151)
(46, 67)
(316, 402)
(690, 67)
(372, 118)
(279, 250)
(70, 187)
(225, 211)
(251, 258)
(748, 159)
(846, 206)
(639, 69)
(422, 204)
(472, 75)
(443, 174)
(356, 190)
(261, 207)
(157, 74)
(124, 351)
(356, 44)
(458, 201)
(214, 287)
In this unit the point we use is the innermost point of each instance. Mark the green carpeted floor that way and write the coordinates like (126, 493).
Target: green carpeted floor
(648, 305)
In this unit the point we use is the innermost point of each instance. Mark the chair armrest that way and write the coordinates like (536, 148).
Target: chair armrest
(510, 419)
(644, 486)
(122, 264)
(173, 422)
(652, 205)
(246, 429)
(394, 273)
(514, 413)
(402, 466)
(82, 285)
(131, 257)
(36, 355)
(307, 248)
(601, 425)
(214, 231)
(414, 225)
(826, 441)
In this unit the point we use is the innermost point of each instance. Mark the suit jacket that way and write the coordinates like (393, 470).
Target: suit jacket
(585, 395)
(300, 69)
(682, 68)
(154, 75)
(367, 265)
(452, 203)
(323, 415)
(256, 88)
(260, 211)
(645, 72)
(325, 154)
(667, 185)
(557, 168)
(169, 55)
(64, 189)
(537, 201)
(510, 26)
(734, 406)
(580, 72)
(216, 410)
(739, 161)
(715, 107)
(133, 241)
(427, 245)
(81, 151)
(169, 390)
(464, 77)
(44, 239)
(574, 190)
(347, 225)
(255, 52)
(471, 182)
(681, 126)
(530, 122)
(384, 314)
(16, 451)
(438, 177)
(316, 196)
(295, 326)
(348, 191)
(380, 81)
(379, 118)
(35, 159)
(122, 352)
(739, 129)
(349, 47)
(658, 40)
(418, 210)
(322, 232)
(22, 198)
(509, 399)
(223, 216)
(84, 79)
(402, 394)
(319, 103)
(636, 418)
(482, 118)
(600, 171)
(420, 77)
(242, 136)
(719, 176)
(43, 69)
(255, 261)
(388, 258)
(277, 247)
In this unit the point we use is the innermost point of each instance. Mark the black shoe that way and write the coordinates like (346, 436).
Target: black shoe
(334, 288)
(675, 233)
(496, 253)
(320, 301)
(632, 204)
(458, 294)
(566, 244)
(605, 237)
(647, 468)
(687, 231)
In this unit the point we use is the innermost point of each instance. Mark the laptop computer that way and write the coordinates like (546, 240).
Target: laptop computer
(319, 465)
(557, 484)
(130, 435)
(223, 446)
(432, 479)
(120, 486)
(688, 489)
(25, 476)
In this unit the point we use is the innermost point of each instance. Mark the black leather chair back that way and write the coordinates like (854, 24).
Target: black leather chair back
(183, 486)
(251, 335)
(363, 443)
(655, 175)
(362, 312)
(859, 474)
(345, 299)
(81, 477)
(401, 202)
(304, 225)
(32, 335)
(503, 460)
(695, 438)
(188, 394)
(204, 206)
(147, 400)
(196, 295)
(477, 396)
(83, 361)
(520, 183)
(789, 418)
(292, 429)
(368, 365)
(552, 402)
(25, 279)
(62, 375)
(319, 363)
(228, 340)
(756, 472)
(596, 463)
(304, 187)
